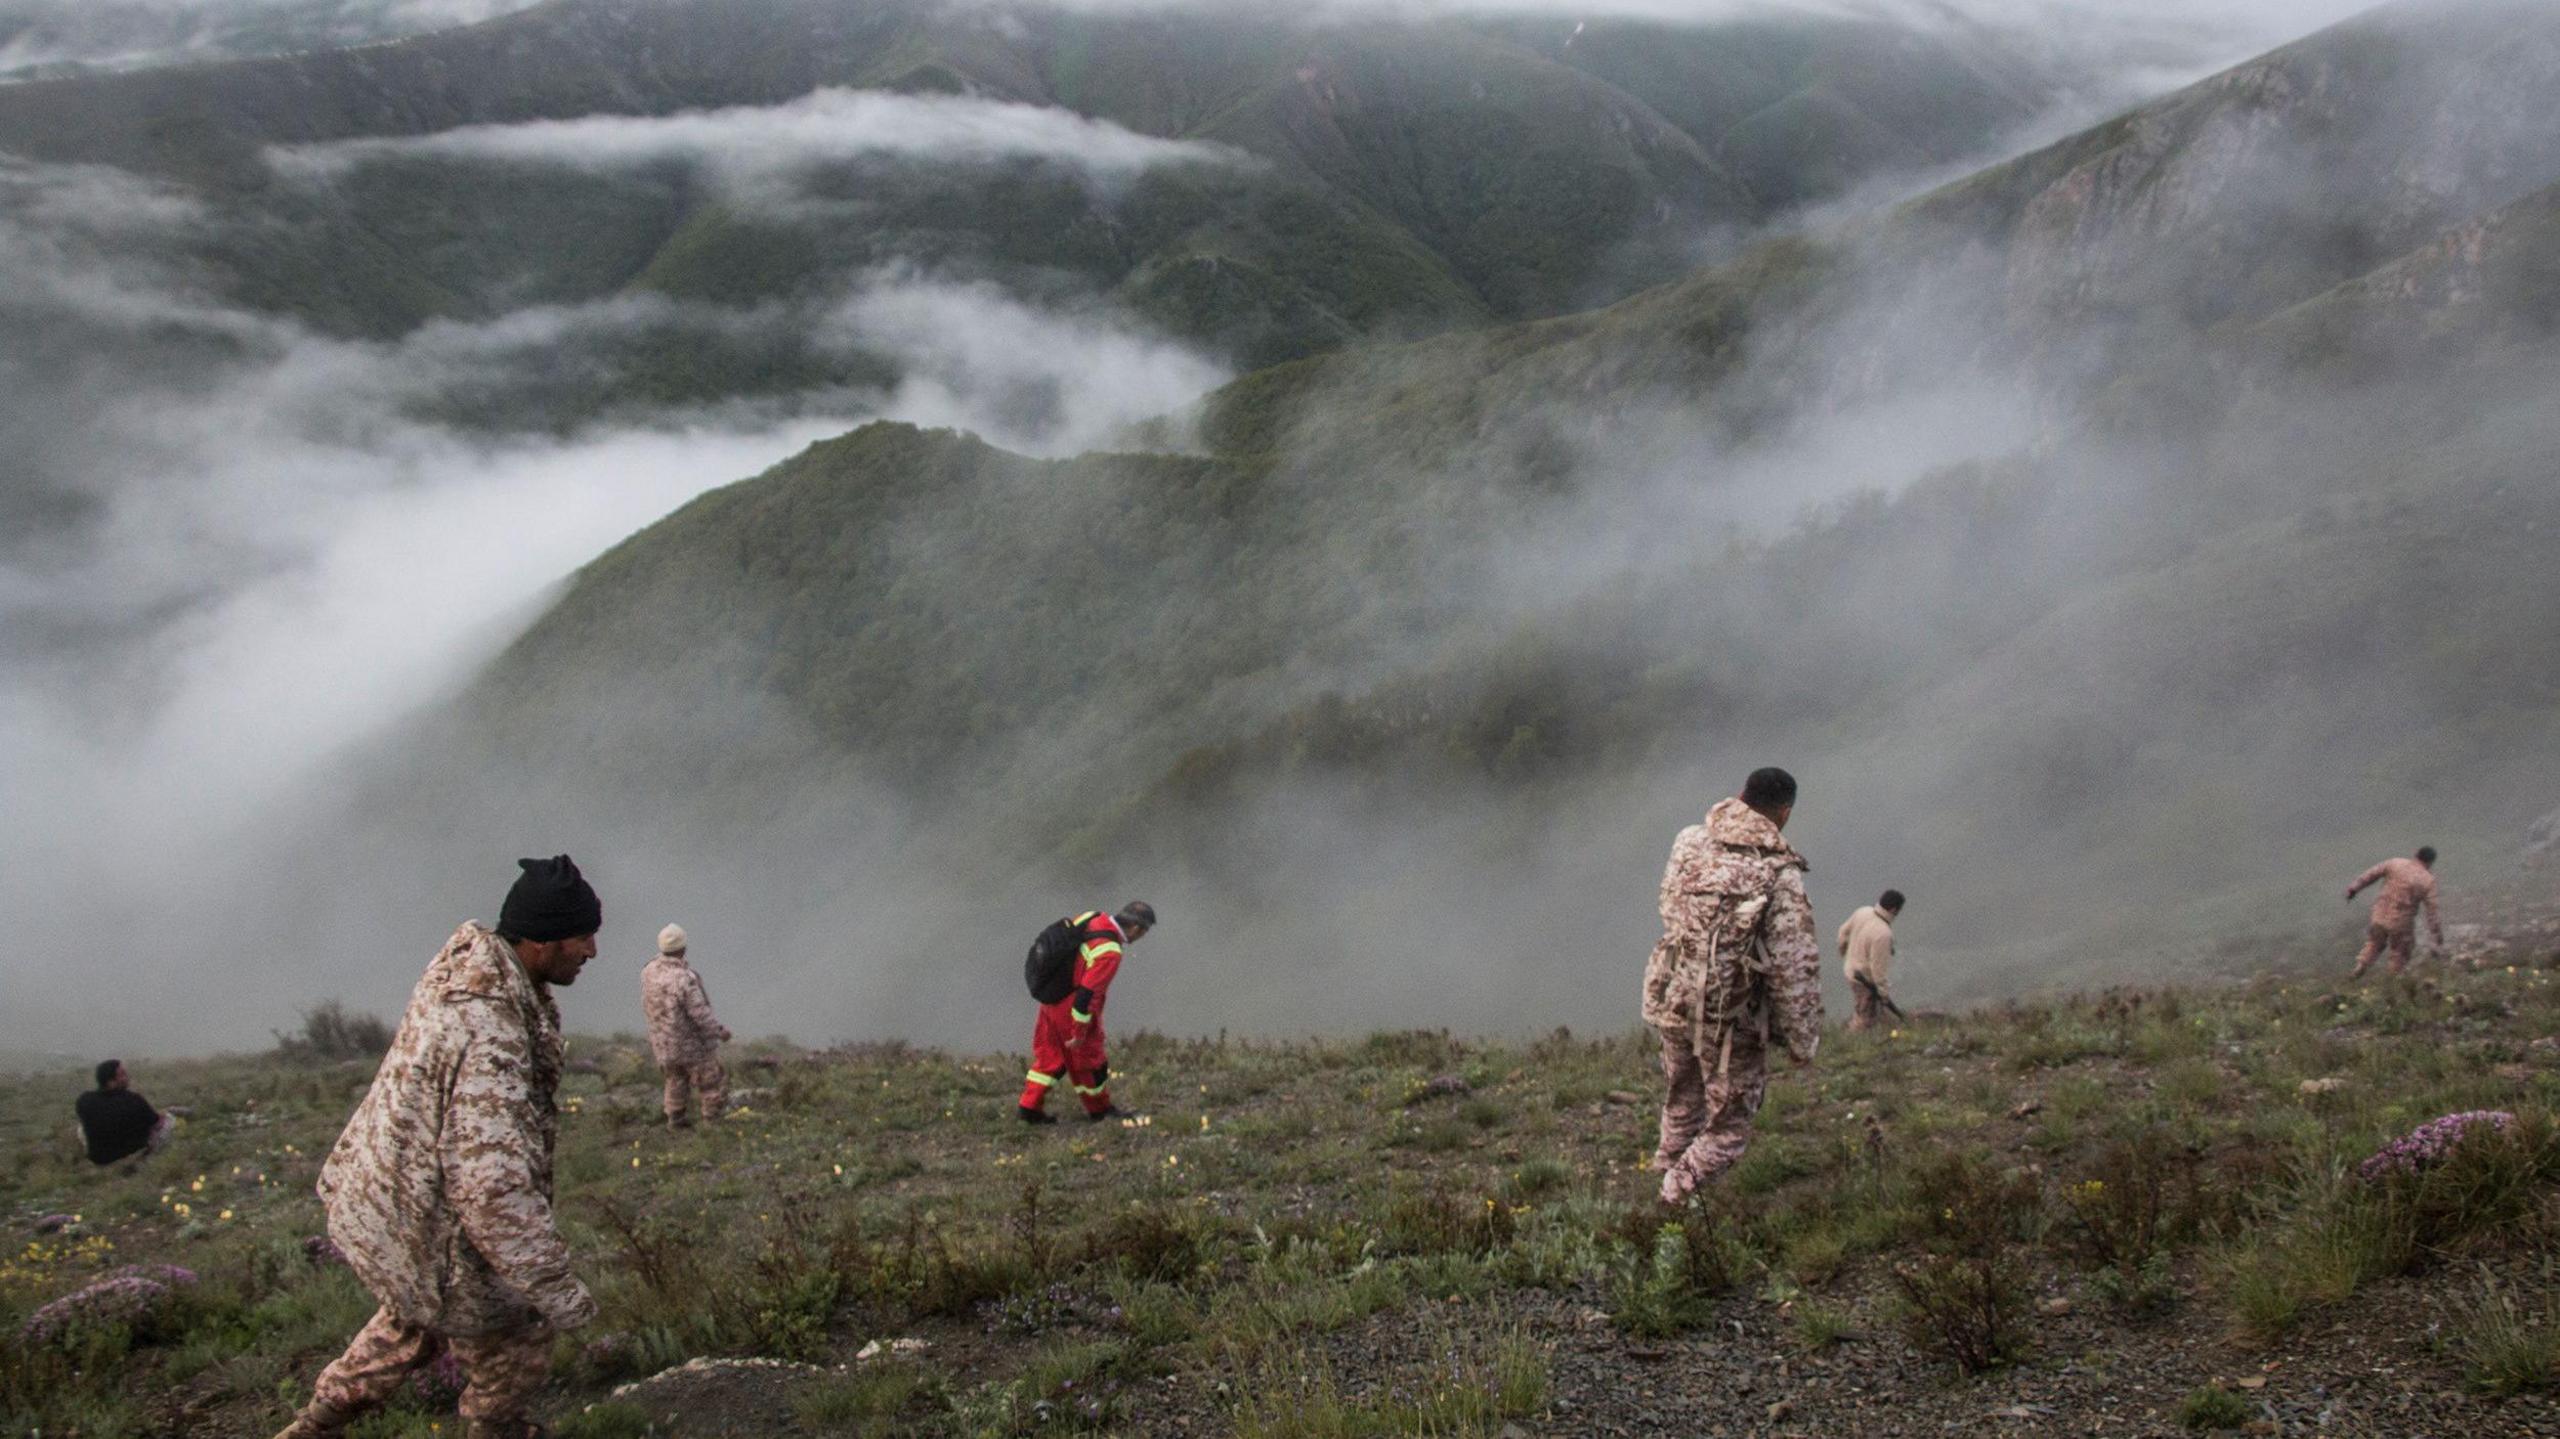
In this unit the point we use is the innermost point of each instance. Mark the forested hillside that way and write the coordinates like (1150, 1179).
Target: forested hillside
(1344, 180)
(2097, 632)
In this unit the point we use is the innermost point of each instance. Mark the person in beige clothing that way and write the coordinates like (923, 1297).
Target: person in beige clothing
(684, 1036)
(1866, 956)
(2408, 885)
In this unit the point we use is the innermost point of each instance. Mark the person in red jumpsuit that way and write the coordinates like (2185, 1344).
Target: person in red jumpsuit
(1066, 1041)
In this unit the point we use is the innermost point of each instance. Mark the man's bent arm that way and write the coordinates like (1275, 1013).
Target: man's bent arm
(697, 1008)
(490, 1182)
(1795, 968)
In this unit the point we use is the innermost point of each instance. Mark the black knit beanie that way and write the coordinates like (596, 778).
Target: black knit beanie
(550, 901)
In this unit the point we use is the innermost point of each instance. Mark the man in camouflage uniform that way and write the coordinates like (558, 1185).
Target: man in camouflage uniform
(439, 1191)
(683, 1035)
(2408, 885)
(1739, 968)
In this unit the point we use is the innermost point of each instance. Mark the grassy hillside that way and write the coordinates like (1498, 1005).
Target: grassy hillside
(2139, 1213)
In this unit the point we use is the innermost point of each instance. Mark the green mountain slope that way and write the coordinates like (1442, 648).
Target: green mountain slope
(1410, 178)
(1489, 604)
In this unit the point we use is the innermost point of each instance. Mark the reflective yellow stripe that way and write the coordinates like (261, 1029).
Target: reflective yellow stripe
(1081, 1016)
(1096, 1089)
(1043, 1080)
(1100, 947)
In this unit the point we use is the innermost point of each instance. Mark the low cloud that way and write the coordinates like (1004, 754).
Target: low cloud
(53, 36)
(1037, 381)
(750, 145)
(278, 551)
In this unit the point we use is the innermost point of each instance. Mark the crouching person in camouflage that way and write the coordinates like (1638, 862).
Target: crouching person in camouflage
(439, 1191)
(1738, 969)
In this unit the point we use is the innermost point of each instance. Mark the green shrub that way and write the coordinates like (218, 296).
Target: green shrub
(2506, 1346)
(330, 1032)
(1770, 1163)
(2141, 1195)
(1148, 1241)
(2143, 1292)
(1964, 1300)
(1436, 1221)
(860, 1402)
(1819, 1326)
(1537, 1179)
(1814, 1255)
(1477, 1385)
(2213, 1407)
(1668, 1274)
(1968, 1309)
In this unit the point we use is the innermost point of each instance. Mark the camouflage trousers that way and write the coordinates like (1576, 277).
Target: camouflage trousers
(1862, 1008)
(500, 1372)
(1706, 1114)
(684, 1081)
(2379, 938)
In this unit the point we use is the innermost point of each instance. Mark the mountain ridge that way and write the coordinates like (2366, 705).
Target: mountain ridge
(1453, 171)
(1340, 619)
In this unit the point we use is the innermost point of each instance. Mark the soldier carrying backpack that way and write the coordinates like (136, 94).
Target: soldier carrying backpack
(1737, 973)
(1069, 971)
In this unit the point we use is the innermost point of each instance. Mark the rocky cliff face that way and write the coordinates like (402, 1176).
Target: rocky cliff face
(2284, 177)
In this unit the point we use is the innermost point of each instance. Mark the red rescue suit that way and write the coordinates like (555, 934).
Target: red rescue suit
(1066, 1041)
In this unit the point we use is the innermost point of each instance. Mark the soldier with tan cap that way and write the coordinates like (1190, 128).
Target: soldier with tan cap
(684, 1036)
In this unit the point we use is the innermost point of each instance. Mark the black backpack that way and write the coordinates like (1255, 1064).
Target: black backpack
(1050, 968)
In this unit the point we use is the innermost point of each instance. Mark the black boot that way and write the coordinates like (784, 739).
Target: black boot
(1030, 1115)
(1112, 1112)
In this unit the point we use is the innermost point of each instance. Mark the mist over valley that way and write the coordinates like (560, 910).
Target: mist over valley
(867, 479)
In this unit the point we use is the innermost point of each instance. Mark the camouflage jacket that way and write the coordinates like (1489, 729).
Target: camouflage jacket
(681, 1027)
(2407, 886)
(439, 1191)
(1738, 942)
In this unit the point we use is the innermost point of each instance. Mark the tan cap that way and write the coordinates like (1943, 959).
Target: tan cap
(671, 939)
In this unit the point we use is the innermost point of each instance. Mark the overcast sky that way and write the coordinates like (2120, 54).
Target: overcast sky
(128, 33)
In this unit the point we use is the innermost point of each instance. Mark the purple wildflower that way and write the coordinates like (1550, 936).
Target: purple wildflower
(129, 1296)
(173, 1276)
(440, 1383)
(607, 1353)
(2429, 1143)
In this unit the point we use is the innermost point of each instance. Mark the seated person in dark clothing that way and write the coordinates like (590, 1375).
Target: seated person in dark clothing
(118, 1123)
